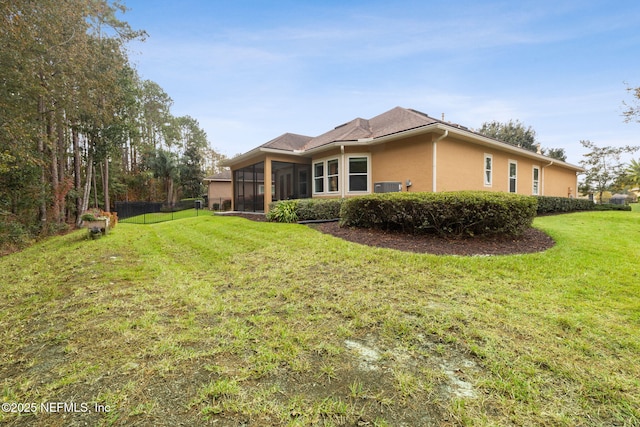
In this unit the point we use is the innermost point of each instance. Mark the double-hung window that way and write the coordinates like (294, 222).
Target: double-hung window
(488, 170)
(536, 181)
(513, 176)
(318, 177)
(326, 176)
(347, 174)
(333, 175)
(358, 174)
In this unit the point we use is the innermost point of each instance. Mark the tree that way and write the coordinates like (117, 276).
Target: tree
(603, 166)
(556, 153)
(632, 112)
(632, 173)
(194, 142)
(164, 165)
(514, 133)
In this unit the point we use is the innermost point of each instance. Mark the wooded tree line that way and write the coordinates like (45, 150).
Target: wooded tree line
(78, 126)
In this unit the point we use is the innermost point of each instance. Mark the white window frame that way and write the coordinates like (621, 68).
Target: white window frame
(336, 175)
(535, 183)
(487, 182)
(509, 177)
(323, 177)
(326, 176)
(348, 173)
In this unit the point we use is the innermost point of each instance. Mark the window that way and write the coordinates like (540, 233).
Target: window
(513, 175)
(488, 170)
(536, 181)
(358, 174)
(318, 177)
(332, 175)
(345, 174)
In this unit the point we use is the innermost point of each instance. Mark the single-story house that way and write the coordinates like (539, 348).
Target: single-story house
(399, 150)
(219, 189)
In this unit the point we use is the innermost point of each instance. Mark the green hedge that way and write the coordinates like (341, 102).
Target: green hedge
(448, 213)
(548, 205)
(611, 207)
(304, 210)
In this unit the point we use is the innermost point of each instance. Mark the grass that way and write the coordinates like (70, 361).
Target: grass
(155, 217)
(220, 319)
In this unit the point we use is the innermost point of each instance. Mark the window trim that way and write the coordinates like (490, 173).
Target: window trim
(515, 177)
(329, 176)
(535, 189)
(320, 179)
(325, 177)
(487, 182)
(367, 174)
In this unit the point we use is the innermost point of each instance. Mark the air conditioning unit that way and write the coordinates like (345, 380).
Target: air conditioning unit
(387, 187)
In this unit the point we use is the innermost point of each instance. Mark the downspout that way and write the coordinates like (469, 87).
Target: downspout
(543, 178)
(344, 177)
(435, 162)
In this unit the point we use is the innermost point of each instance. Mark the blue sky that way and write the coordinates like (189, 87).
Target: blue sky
(249, 71)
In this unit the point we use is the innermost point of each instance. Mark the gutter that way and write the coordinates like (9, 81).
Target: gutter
(344, 174)
(551, 163)
(435, 159)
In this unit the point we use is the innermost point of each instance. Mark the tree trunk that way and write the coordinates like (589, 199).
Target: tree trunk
(87, 187)
(105, 185)
(43, 176)
(170, 192)
(55, 182)
(95, 189)
(77, 181)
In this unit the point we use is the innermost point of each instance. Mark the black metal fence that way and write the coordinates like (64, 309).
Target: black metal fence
(152, 212)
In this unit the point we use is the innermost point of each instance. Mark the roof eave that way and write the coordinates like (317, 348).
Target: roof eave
(490, 142)
(258, 151)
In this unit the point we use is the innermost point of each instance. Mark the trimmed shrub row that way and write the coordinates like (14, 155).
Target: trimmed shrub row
(304, 210)
(550, 205)
(448, 213)
(547, 205)
(611, 207)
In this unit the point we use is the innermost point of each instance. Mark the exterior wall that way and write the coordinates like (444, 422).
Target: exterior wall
(408, 159)
(460, 165)
(219, 191)
(559, 182)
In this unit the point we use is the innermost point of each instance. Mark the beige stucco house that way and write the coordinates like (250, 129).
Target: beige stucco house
(399, 150)
(219, 189)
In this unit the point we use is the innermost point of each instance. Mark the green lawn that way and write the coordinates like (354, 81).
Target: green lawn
(155, 217)
(231, 322)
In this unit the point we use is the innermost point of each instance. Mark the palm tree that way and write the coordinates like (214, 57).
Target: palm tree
(633, 173)
(165, 166)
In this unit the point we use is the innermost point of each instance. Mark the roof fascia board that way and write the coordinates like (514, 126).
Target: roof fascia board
(437, 128)
(257, 151)
(490, 142)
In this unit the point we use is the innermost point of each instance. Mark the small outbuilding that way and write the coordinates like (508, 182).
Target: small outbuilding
(619, 199)
(219, 190)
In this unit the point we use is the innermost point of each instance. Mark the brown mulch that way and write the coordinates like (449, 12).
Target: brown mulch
(532, 240)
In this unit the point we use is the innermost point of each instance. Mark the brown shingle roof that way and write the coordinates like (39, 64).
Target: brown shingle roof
(225, 175)
(393, 121)
(287, 141)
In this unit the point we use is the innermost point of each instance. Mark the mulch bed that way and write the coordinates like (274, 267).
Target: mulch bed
(532, 240)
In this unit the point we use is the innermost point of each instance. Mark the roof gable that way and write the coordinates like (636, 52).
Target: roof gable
(398, 120)
(288, 141)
